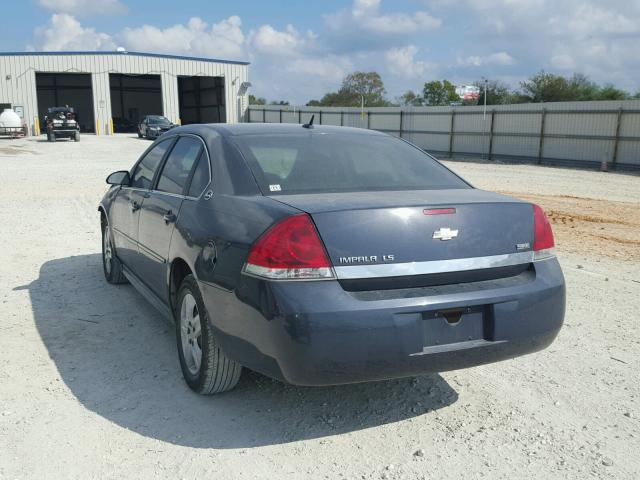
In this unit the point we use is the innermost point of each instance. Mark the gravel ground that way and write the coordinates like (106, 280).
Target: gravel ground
(90, 385)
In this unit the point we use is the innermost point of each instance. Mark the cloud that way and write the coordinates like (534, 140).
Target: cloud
(365, 7)
(84, 7)
(503, 39)
(494, 59)
(74, 36)
(563, 61)
(269, 41)
(589, 20)
(365, 27)
(592, 37)
(401, 62)
(224, 39)
(330, 68)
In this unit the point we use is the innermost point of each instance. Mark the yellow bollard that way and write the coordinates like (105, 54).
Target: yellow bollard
(111, 131)
(179, 122)
(98, 127)
(36, 127)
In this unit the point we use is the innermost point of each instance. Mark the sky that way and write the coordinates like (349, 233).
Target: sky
(300, 50)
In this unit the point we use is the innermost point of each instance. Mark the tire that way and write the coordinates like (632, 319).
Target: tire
(111, 265)
(76, 137)
(215, 373)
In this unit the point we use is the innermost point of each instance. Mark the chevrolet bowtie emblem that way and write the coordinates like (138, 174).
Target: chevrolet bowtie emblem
(445, 234)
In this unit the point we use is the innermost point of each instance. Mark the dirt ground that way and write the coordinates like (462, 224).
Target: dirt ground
(90, 385)
(587, 225)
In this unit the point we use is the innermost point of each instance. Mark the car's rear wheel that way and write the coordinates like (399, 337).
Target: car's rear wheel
(111, 265)
(205, 367)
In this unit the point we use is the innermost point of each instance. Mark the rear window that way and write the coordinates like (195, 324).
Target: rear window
(158, 121)
(318, 162)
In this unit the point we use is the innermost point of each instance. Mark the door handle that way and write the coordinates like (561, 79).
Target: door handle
(135, 206)
(169, 217)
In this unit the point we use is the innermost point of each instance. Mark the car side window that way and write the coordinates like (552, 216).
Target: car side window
(177, 168)
(200, 177)
(145, 170)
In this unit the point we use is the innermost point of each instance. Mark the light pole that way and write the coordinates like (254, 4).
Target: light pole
(484, 118)
(362, 106)
(484, 113)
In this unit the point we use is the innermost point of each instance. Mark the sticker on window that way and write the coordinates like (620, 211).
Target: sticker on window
(275, 188)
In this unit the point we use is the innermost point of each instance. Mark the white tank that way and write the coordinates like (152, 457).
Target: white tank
(10, 119)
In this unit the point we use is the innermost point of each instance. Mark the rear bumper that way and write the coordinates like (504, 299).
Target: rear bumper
(316, 333)
(64, 131)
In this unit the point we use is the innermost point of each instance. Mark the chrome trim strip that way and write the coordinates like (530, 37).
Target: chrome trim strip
(434, 266)
(124, 235)
(151, 253)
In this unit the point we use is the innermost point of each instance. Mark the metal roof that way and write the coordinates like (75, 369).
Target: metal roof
(127, 53)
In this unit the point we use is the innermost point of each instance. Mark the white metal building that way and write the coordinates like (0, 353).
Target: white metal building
(111, 91)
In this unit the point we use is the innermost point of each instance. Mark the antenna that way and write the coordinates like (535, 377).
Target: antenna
(310, 124)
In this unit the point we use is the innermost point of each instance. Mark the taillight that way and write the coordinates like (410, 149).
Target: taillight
(543, 235)
(290, 250)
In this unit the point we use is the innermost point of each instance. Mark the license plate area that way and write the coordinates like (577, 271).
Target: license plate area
(455, 325)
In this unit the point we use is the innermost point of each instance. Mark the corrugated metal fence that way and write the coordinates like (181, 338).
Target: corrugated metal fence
(568, 133)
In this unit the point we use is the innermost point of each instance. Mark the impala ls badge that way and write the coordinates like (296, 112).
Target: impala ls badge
(445, 234)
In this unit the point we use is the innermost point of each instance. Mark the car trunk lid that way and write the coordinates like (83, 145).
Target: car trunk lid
(416, 233)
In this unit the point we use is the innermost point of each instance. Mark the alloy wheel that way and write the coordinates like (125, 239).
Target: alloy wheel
(191, 333)
(107, 251)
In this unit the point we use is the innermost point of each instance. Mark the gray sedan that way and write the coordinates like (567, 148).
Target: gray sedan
(325, 255)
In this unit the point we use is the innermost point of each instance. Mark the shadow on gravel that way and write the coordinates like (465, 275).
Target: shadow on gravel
(118, 357)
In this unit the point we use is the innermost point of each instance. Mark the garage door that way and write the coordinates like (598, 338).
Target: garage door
(201, 100)
(132, 98)
(66, 89)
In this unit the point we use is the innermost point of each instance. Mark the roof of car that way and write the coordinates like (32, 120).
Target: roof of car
(226, 129)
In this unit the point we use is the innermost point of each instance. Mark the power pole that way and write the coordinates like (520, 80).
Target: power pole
(484, 118)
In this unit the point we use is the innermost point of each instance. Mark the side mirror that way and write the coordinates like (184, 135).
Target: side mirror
(121, 177)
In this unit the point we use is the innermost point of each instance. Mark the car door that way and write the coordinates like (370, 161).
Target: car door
(125, 210)
(160, 211)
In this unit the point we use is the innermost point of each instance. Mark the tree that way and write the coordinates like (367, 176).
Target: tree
(497, 93)
(546, 87)
(440, 93)
(279, 102)
(365, 84)
(609, 92)
(253, 100)
(354, 88)
(333, 99)
(410, 99)
(581, 89)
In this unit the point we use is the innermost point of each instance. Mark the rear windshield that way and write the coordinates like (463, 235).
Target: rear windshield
(158, 121)
(339, 162)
